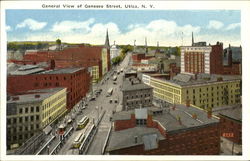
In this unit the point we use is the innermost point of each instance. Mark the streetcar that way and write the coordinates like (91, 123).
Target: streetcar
(61, 129)
(83, 122)
(78, 140)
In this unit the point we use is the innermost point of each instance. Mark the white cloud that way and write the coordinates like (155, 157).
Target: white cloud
(31, 24)
(168, 33)
(233, 26)
(8, 28)
(213, 24)
(71, 26)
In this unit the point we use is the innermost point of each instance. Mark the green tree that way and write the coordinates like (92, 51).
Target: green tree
(58, 42)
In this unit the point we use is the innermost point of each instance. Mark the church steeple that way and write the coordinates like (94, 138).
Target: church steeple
(107, 40)
(192, 39)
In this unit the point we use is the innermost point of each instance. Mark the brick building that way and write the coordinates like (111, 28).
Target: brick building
(96, 57)
(231, 124)
(211, 59)
(232, 60)
(178, 130)
(76, 80)
(202, 59)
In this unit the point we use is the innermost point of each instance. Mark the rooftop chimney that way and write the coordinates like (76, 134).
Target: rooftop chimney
(194, 116)
(179, 120)
(187, 103)
(136, 139)
(209, 113)
(174, 107)
(15, 98)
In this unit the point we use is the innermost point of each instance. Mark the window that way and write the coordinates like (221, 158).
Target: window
(20, 110)
(37, 108)
(141, 122)
(37, 117)
(26, 110)
(20, 120)
(32, 109)
(31, 118)
(20, 128)
(14, 120)
(26, 119)
(8, 121)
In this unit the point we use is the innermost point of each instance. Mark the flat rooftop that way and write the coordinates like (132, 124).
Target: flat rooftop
(131, 84)
(126, 138)
(30, 96)
(234, 113)
(169, 117)
(189, 79)
(62, 71)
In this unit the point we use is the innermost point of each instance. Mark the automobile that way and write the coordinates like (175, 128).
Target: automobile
(110, 101)
(108, 95)
(114, 83)
(92, 98)
(69, 121)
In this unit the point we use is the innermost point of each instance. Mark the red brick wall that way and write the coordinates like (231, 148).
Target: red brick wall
(234, 69)
(138, 57)
(125, 124)
(81, 56)
(200, 141)
(77, 84)
(231, 129)
(191, 66)
(216, 59)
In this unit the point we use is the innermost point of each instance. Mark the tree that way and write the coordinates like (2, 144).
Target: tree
(58, 42)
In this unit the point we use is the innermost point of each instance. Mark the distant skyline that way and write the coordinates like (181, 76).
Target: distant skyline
(124, 26)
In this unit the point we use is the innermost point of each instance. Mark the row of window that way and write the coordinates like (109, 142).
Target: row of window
(137, 96)
(29, 109)
(131, 103)
(20, 137)
(20, 120)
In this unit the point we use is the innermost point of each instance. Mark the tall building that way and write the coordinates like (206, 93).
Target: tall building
(178, 130)
(202, 59)
(76, 80)
(31, 112)
(202, 90)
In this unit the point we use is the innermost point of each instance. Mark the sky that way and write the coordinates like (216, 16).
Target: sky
(169, 27)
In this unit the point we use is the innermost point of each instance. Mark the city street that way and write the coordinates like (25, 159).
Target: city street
(93, 110)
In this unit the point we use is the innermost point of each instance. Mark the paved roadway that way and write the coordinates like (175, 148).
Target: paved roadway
(100, 137)
(103, 104)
